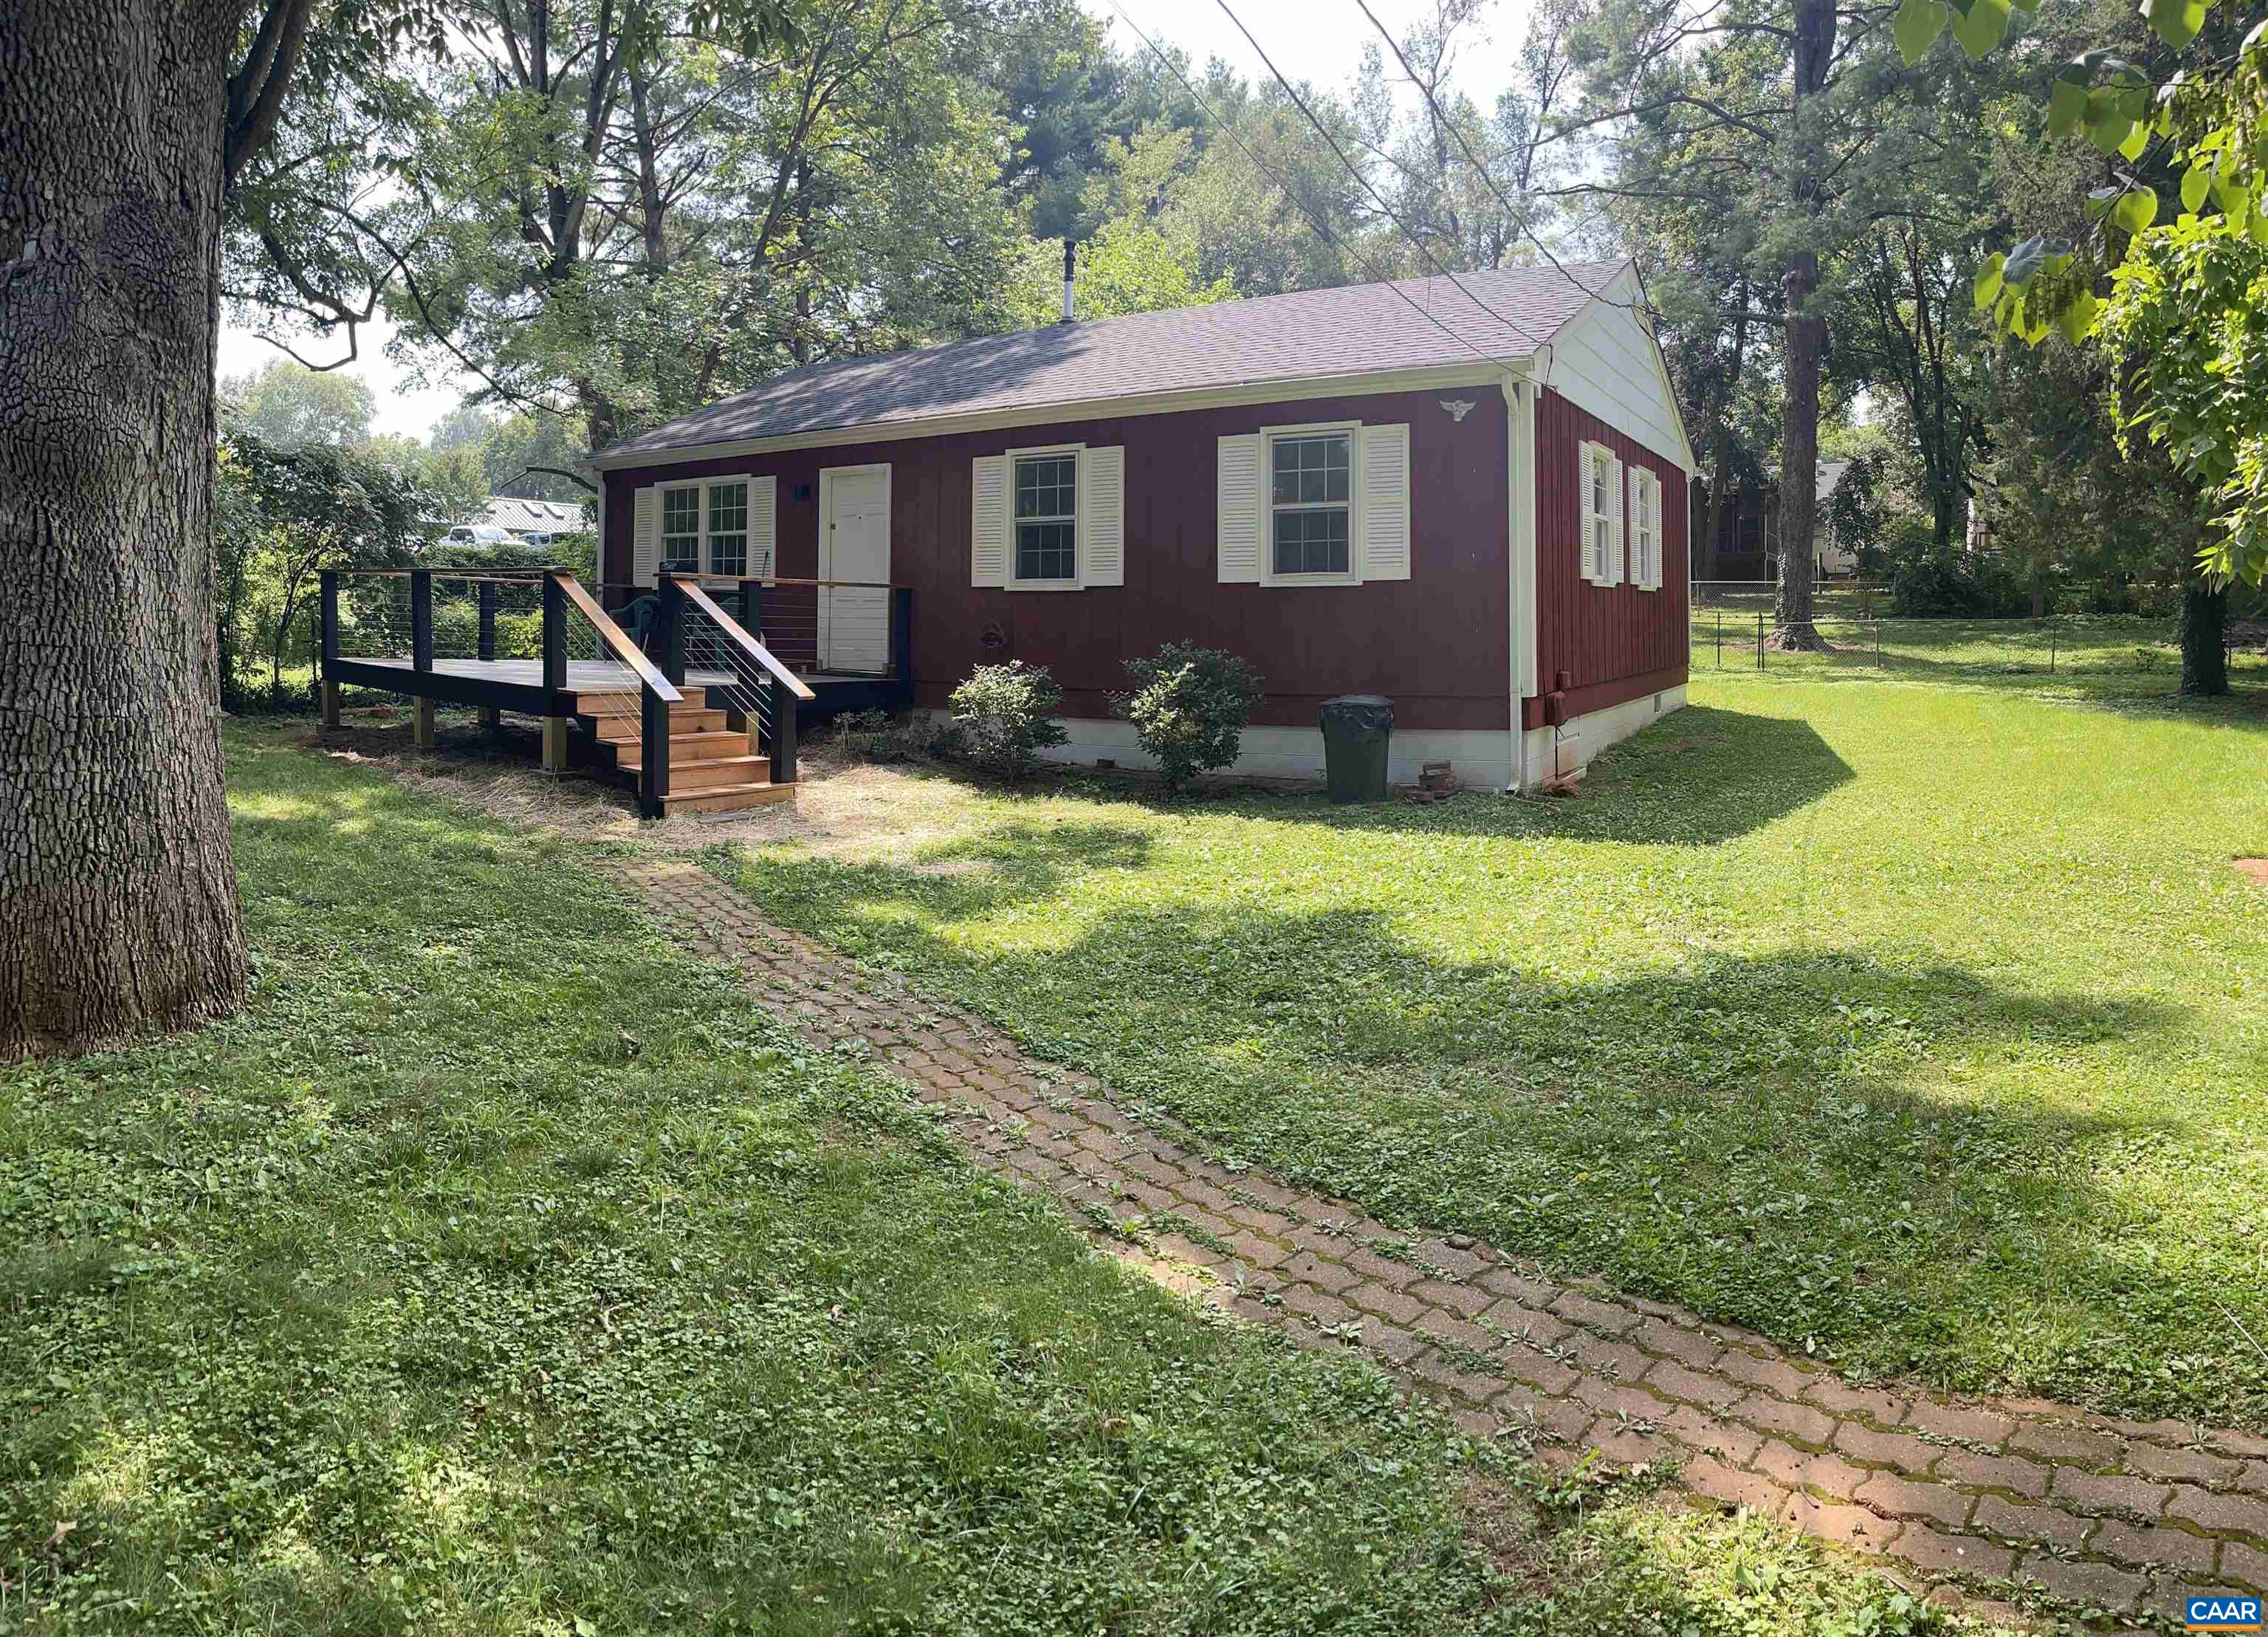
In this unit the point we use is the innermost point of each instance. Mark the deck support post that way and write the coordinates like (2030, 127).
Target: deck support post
(554, 633)
(555, 744)
(751, 611)
(653, 751)
(327, 605)
(487, 599)
(784, 733)
(426, 729)
(421, 619)
(902, 640)
(667, 649)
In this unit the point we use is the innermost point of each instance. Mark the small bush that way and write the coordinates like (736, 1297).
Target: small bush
(875, 736)
(1189, 708)
(1933, 584)
(1007, 716)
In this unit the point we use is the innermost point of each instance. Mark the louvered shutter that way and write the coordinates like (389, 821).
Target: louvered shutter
(1615, 538)
(1237, 501)
(1385, 502)
(1594, 563)
(988, 520)
(645, 536)
(763, 525)
(1103, 516)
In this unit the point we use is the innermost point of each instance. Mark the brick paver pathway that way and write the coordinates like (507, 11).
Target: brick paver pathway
(2125, 1515)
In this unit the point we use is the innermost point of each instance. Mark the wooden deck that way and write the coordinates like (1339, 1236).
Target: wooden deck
(583, 675)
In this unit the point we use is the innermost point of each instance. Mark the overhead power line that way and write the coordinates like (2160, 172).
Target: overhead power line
(1441, 117)
(1364, 183)
(1314, 220)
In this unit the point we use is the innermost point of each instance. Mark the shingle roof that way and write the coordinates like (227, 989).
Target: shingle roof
(532, 516)
(1356, 329)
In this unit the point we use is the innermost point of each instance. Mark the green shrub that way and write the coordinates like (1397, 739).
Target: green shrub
(876, 736)
(1188, 707)
(1927, 583)
(1006, 714)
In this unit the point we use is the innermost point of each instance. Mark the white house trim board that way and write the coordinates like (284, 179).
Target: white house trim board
(1382, 381)
(1605, 361)
(1521, 564)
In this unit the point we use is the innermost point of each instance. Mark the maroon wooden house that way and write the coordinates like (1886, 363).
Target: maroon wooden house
(1469, 495)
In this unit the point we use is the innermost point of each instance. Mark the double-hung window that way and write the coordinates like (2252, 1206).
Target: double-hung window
(1047, 517)
(1311, 503)
(1601, 480)
(1645, 529)
(728, 528)
(681, 530)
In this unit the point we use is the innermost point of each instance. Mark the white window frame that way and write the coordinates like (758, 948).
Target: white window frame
(1645, 529)
(704, 557)
(747, 517)
(1612, 573)
(1351, 430)
(1042, 451)
(662, 535)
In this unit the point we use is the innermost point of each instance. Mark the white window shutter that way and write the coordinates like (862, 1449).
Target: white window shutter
(645, 535)
(1237, 497)
(1586, 455)
(764, 527)
(1385, 502)
(1615, 534)
(988, 520)
(1103, 516)
(1651, 486)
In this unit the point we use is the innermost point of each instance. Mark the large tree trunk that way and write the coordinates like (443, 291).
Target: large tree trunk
(1807, 342)
(2204, 623)
(118, 907)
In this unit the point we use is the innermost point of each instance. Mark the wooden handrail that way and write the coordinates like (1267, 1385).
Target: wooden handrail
(748, 644)
(615, 637)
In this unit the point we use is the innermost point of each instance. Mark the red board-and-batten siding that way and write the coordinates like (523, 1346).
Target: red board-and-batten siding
(1617, 643)
(1439, 643)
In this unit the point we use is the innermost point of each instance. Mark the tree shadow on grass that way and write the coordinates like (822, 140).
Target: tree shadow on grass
(1699, 777)
(1769, 1137)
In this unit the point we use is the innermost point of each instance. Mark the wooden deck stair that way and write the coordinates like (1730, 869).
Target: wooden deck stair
(712, 766)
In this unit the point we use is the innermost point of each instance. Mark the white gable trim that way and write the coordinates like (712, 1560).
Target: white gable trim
(1478, 373)
(1606, 361)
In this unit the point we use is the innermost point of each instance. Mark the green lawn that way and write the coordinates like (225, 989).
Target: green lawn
(506, 1272)
(1920, 1025)
(2109, 660)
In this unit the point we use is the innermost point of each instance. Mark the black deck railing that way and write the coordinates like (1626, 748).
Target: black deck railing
(509, 640)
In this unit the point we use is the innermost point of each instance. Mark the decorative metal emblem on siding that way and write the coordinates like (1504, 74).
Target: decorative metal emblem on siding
(1458, 407)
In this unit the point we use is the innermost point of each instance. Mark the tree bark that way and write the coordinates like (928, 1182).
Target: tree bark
(2205, 623)
(118, 908)
(1805, 346)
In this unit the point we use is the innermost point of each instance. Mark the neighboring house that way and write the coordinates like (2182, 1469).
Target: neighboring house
(1833, 558)
(538, 522)
(1469, 495)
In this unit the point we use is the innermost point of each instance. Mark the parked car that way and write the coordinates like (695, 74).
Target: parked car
(478, 534)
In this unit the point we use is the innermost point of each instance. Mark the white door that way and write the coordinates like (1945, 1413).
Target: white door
(854, 619)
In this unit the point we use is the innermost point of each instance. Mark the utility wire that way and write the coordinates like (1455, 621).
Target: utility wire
(1364, 183)
(1456, 130)
(1316, 221)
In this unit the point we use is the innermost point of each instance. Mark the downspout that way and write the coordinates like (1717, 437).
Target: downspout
(1519, 392)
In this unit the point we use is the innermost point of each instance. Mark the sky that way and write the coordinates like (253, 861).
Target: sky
(1316, 40)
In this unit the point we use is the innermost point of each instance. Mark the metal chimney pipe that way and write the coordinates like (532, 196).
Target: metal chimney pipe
(1071, 278)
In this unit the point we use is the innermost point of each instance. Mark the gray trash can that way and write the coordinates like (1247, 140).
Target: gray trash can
(1357, 727)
